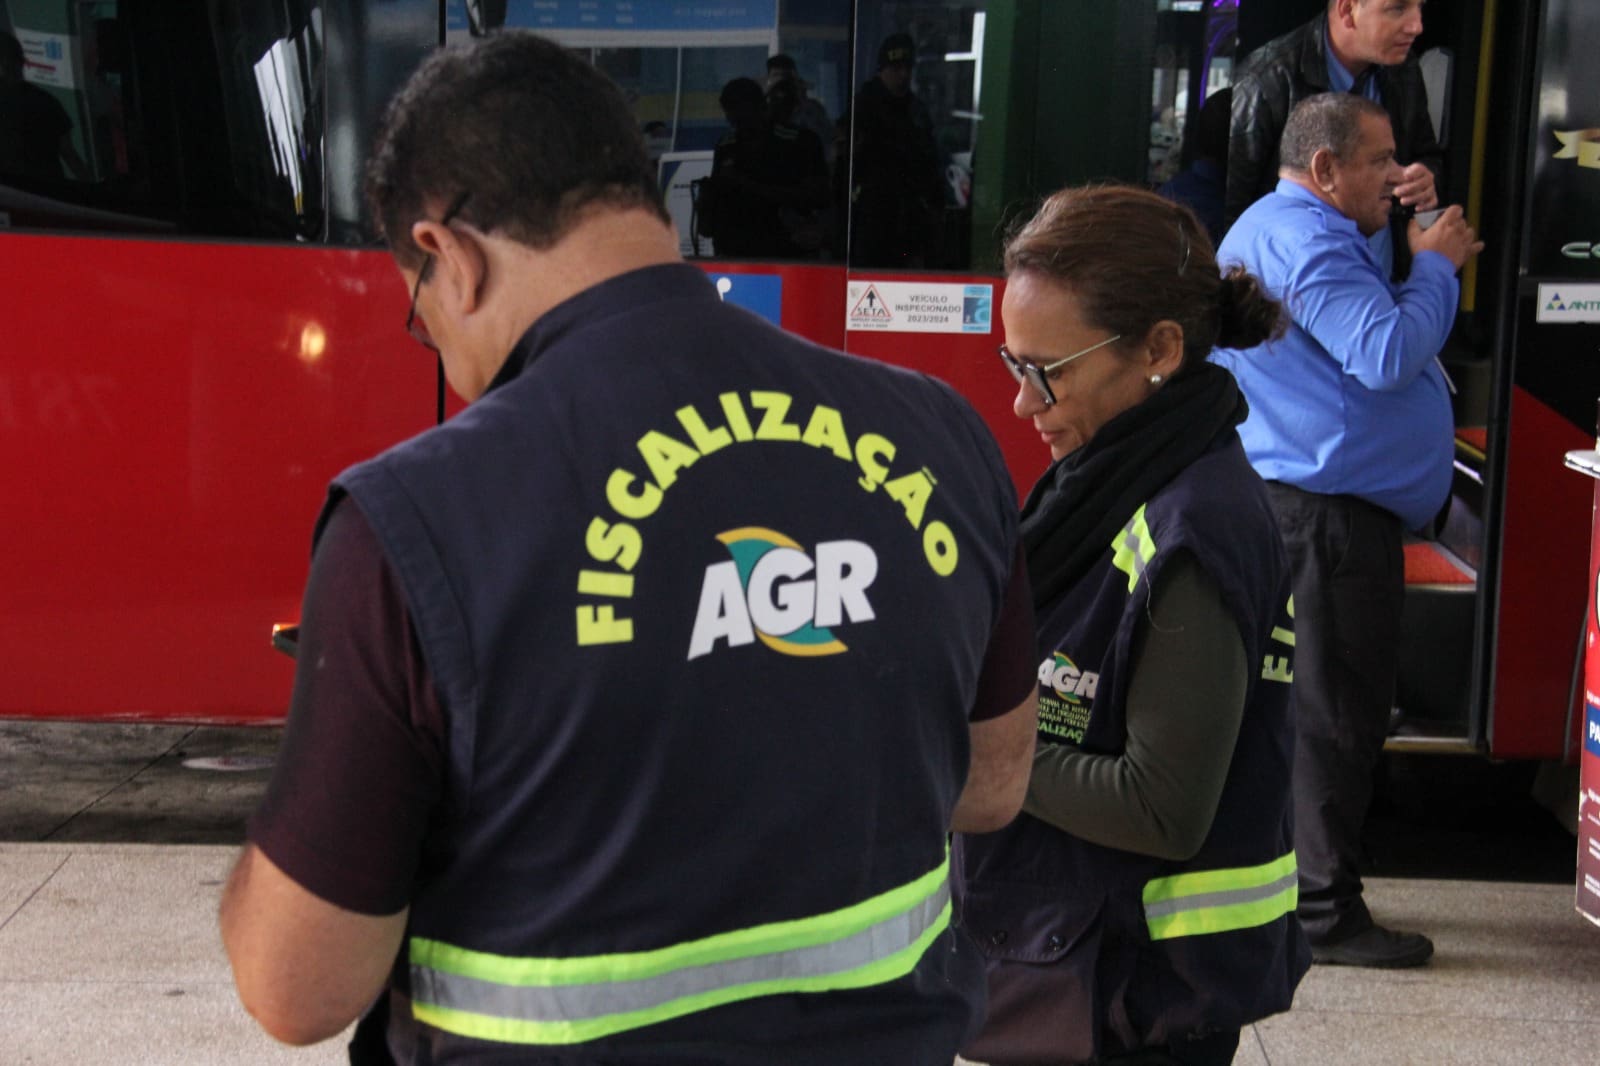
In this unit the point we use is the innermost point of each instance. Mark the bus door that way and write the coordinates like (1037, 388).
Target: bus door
(1491, 650)
(1547, 381)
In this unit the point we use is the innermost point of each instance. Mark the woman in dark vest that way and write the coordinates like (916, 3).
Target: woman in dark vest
(1141, 909)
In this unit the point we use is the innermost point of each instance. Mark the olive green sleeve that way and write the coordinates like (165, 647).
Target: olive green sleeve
(1185, 701)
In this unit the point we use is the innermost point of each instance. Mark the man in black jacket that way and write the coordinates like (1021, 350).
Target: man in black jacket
(1360, 46)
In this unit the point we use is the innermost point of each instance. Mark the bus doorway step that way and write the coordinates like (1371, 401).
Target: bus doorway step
(1433, 687)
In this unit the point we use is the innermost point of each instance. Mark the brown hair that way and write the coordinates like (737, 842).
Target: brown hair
(1133, 259)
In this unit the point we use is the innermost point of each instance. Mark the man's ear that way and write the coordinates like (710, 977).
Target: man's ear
(1322, 170)
(460, 263)
(1344, 12)
(1164, 342)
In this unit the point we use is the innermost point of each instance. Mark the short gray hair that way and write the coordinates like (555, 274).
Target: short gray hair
(1329, 121)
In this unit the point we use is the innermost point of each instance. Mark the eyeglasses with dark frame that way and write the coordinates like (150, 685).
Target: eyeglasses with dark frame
(415, 325)
(1038, 376)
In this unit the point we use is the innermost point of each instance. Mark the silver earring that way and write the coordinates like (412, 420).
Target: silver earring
(1155, 379)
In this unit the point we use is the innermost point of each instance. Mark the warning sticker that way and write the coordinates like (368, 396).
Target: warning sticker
(913, 307)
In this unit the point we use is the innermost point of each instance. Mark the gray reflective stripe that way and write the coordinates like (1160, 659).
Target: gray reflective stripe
(580, 1002)
(1228, 898)
(1131, 541)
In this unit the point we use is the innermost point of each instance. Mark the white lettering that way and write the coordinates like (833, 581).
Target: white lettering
(777, 602)
(781, 612)
(722, 613)
(1067, 680)
(844, 570)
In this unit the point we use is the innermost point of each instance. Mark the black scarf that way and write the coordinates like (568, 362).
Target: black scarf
(1076, 509)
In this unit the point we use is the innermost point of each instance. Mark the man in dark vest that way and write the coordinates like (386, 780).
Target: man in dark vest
(635, 703)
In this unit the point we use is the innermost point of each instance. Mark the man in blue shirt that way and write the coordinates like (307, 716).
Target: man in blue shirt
(1350, 424)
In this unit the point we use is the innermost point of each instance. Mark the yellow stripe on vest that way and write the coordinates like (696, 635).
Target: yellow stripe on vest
(1133, 548)
(1220, 901)
(526, 1000)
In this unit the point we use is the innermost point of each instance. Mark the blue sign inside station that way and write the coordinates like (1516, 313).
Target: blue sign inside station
(760, 293)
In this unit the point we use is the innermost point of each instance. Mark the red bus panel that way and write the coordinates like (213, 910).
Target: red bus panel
(172, 413)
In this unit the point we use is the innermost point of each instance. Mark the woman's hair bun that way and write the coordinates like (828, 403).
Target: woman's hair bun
(1247, 315)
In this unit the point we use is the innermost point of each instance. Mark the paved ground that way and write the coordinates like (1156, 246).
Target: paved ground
(65, 782)
(109, 951)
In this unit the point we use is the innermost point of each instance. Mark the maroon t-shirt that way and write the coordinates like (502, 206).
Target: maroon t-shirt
(363, 759)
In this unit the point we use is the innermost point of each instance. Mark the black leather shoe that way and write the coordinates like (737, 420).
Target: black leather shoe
(1377, 947)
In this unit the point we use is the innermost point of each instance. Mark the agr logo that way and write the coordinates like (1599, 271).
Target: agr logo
(774, 592)
(1062, 674)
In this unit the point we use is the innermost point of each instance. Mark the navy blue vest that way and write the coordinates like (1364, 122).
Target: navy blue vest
(1094, 950)
(706, 606)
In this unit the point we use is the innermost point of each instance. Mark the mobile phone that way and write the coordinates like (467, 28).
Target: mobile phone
(286, 638)
(1428, 218)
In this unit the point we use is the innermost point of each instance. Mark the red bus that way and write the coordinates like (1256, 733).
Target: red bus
(200, 331)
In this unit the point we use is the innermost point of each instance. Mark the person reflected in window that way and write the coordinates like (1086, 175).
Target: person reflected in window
(809, 114)
(1202, 183)
(897, 190)
(35, 132)
(803, 167)
(657, 139)
(765, 175)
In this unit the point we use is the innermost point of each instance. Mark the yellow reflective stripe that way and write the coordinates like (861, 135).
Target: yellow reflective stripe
(564, 1000)
(520, 1031)
(1133, 548)
(1220, 901)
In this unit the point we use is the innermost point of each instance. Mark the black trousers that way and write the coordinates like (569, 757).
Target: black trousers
(1348, 577)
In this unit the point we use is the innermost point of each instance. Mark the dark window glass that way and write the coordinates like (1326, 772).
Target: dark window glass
(967, 112)
(765, 190)
(918, 109)
(202, 118)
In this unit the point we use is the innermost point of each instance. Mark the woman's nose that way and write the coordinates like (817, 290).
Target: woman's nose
(1027, 402)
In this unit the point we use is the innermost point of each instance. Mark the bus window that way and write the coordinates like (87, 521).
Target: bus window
(918, 110)
(163, 117)
(1001, 103)
(675, 63)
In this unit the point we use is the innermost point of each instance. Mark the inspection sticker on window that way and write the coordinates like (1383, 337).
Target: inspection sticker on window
(913, 307)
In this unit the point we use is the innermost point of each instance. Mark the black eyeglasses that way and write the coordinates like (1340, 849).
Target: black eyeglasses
(1038, 376)
(414, 322)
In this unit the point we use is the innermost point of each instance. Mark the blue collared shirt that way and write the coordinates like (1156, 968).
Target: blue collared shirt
(1341, 80)
(1351, 400)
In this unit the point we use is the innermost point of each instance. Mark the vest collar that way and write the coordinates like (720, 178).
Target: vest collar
(567, 321)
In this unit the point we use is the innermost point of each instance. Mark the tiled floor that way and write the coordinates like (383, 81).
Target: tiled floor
(109, 951)
(109, 954)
